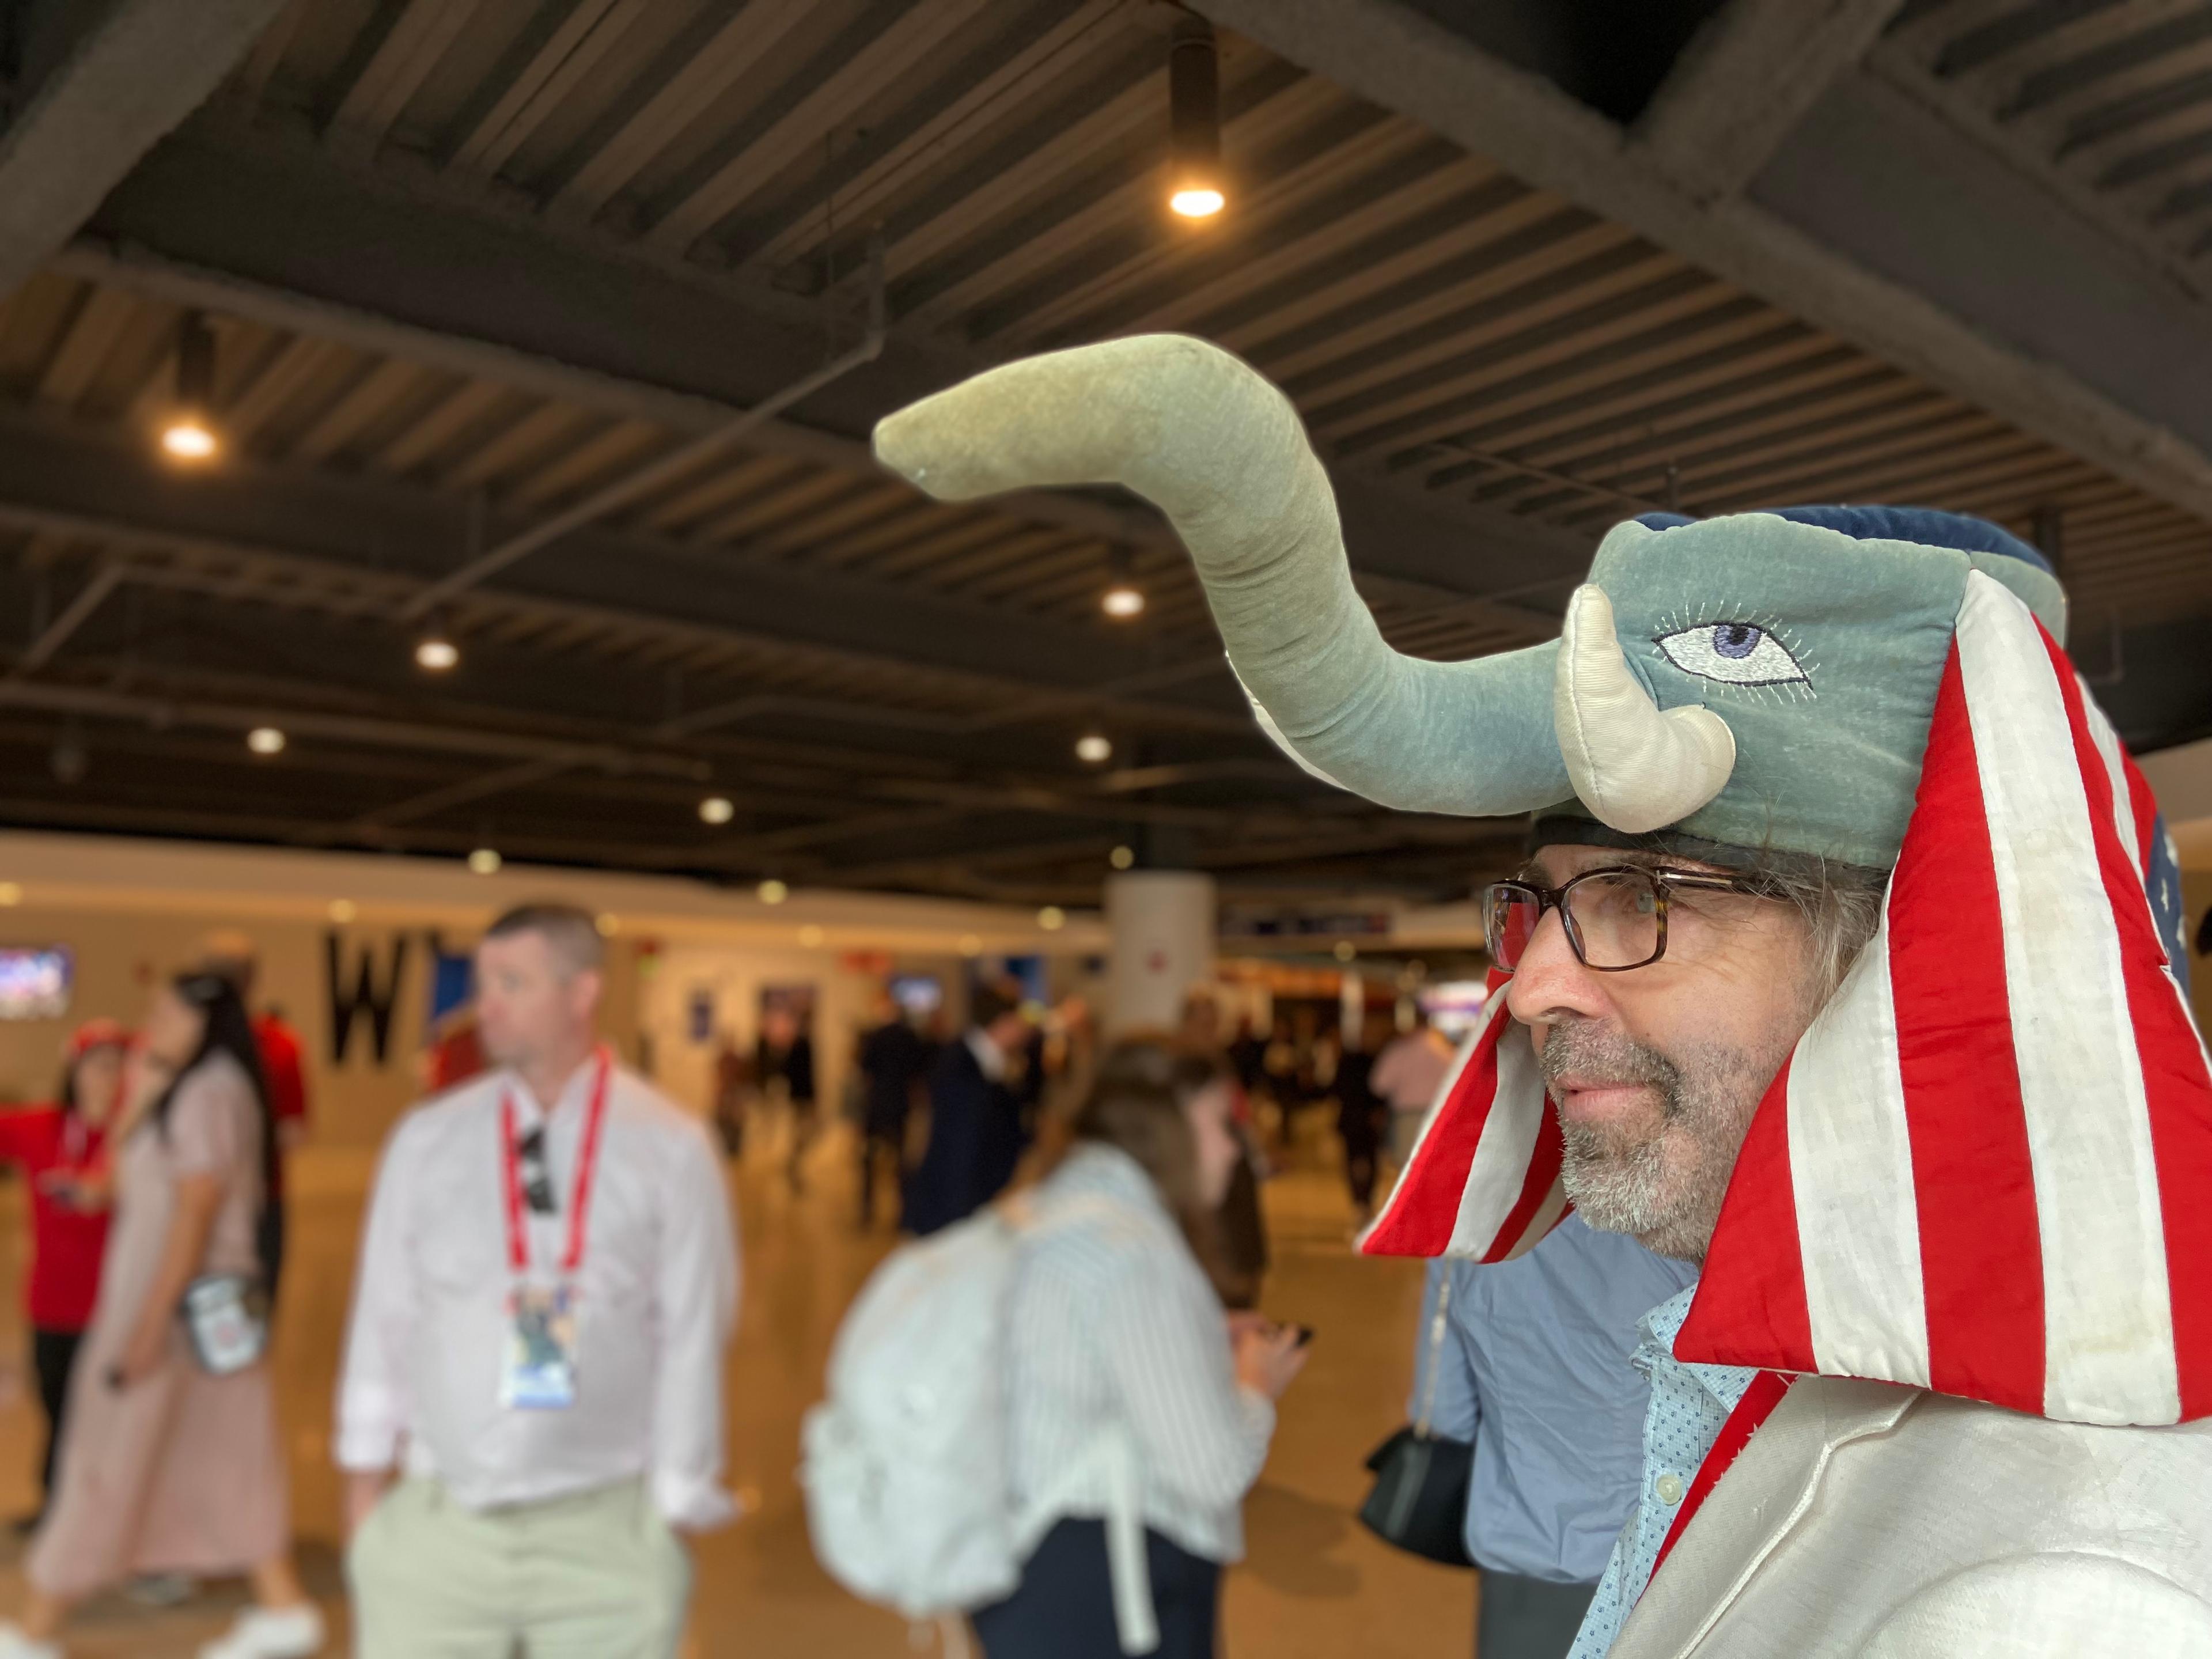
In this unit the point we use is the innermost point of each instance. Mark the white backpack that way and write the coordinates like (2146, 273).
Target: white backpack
(904, 1467)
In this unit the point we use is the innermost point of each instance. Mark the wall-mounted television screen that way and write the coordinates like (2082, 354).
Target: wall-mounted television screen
(35, 982)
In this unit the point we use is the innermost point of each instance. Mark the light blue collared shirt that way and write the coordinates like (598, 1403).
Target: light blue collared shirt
(1689, 1405)
(1536, 1374)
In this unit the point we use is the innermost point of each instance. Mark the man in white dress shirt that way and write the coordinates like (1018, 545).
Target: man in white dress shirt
(531, 1407)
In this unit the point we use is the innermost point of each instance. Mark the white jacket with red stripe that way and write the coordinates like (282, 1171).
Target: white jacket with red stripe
(1877, 1522)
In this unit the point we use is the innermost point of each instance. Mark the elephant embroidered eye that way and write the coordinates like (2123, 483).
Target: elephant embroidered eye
(1734, 653)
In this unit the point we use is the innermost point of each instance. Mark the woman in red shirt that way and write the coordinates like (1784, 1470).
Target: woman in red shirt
(60, 1151)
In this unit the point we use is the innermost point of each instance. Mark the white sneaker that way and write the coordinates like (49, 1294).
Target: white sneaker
(14, 1644)
(267, 1633)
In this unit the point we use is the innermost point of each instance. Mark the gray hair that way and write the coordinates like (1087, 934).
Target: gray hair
(1841, 906)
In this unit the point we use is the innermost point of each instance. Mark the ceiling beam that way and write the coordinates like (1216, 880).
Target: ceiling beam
(1395, 56)
(126, 78)
(378, 544)
(403, 262)
(1745, 79)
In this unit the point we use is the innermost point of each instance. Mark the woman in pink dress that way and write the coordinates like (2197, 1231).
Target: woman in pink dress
(170, 1461)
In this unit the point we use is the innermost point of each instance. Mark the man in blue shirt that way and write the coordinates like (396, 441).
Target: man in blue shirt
(1534, 1372)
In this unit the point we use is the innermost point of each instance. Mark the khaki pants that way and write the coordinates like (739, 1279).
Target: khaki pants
(598, 1575)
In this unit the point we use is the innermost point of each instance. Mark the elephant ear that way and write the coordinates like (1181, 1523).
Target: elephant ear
(1984, 1170)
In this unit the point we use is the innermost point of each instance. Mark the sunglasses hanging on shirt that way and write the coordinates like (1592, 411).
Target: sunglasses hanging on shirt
(537, 1176)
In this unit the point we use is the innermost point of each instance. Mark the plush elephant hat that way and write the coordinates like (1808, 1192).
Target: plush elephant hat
(1984, 1169)
(1760, 682)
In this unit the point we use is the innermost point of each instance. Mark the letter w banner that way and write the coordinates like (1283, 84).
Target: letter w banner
(363, 996)
(1987, 1167)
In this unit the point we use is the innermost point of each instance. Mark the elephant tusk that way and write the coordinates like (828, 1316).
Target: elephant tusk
(1638, 768)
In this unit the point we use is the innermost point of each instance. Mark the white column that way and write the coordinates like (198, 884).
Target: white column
(1162, 923)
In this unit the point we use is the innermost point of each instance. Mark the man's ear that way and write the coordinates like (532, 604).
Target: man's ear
(585, 990)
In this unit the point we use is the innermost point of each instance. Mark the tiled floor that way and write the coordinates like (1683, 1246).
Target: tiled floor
(1315, 1584)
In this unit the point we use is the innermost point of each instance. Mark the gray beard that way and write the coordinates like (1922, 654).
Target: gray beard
(1662, 1187)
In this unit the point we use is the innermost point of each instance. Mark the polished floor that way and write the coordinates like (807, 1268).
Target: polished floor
(1315, 1583)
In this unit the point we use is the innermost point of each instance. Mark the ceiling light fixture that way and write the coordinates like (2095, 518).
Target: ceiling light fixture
(435, 651)
(1052, 918)
(189, 434)
(343, 911)
(970, 945)
(773, 891)
(1345, 950)
(11, 894)
(1094, 749)
(1195, 186)
(1122, 599)
(1122, 858)
(717, 809)
(485, 861)
(810, 936)
(265, 740)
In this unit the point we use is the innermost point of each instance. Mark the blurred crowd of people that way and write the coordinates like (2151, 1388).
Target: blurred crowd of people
(546, 1217)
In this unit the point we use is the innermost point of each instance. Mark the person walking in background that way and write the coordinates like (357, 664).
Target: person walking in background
(1360, 1111)
(531, 1404)
(170, 1459)
(1127, 1382)
(1408, 1073)
(976, 1132)
(231, 955)
(893, 1062)
(733, 1088)
(61, 1151)
(1534, 1371)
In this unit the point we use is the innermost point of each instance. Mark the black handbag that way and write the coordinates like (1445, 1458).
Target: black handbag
(1421, 1479)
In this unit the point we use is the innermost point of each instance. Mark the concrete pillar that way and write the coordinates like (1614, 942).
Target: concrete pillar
(1162, 923)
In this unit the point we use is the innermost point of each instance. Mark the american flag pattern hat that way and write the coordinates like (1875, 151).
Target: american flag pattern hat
(1986, 1168)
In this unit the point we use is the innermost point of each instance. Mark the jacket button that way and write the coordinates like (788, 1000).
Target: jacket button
(1669, 1488)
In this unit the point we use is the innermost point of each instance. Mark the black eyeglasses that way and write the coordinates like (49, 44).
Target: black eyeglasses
(1615, 917)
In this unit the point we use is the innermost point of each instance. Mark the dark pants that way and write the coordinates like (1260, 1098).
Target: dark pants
(270, 1243)
(53, 1353)
(1064, 1607)
(881, 1139)
(1528, 1618)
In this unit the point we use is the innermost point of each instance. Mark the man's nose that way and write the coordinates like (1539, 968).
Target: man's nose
(1550, 982)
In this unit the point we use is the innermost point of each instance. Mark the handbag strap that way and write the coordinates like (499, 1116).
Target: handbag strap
(1437, 1328)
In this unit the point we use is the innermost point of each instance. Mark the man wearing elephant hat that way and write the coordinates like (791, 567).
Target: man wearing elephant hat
(1845, 964)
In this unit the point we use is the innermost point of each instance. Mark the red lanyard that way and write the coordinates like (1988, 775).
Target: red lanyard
(580, 1202)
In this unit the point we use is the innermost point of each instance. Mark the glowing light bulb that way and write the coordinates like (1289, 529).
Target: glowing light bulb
(485, 862)
(343, 911)
(1198, 201)
(717, 809)
(188, 438)
(773, 891)
(265, 740)
(1052, 918)
(1123, 601)
(1094, 748)
(810, 936)
(436, 654)
(1122, 858)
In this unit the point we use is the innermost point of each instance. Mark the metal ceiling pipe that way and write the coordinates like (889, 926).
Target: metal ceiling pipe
(673, 465)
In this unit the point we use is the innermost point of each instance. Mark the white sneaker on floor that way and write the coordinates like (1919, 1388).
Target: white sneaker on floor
(267, 1633)
(14, 1644)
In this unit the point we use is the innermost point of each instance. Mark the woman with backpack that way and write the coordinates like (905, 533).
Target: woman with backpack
(170, 1461)
(1140, 1411)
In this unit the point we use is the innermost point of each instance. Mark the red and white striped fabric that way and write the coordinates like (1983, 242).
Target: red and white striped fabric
(1987, 1167)
(1483, 1180)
